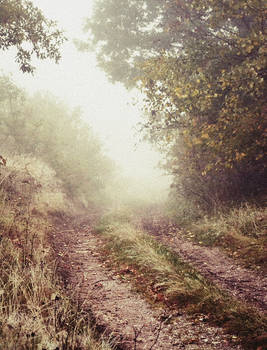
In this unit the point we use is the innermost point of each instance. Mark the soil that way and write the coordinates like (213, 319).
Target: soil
(211, 262)
(121, 313)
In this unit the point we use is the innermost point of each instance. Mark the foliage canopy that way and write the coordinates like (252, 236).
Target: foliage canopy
(202, 67)
(23, 26)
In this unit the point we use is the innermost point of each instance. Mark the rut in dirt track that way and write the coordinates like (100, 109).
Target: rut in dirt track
(223, 271)
(122, 313)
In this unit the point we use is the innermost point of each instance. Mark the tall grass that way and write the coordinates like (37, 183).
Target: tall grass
(35, 311)
(241, 231)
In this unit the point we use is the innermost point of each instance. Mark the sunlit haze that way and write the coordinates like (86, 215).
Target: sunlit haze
(107, 107)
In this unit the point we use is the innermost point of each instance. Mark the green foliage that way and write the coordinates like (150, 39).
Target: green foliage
(43, 127)
(202, 68)
(23, 26)
(117, 39)
(132, 32)
(208, 102)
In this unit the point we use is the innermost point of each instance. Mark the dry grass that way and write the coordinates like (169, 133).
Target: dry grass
(35, 312)
(163, 277)
(241, 232)
(135, 247)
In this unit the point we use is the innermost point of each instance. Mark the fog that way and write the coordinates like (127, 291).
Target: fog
(108, 108)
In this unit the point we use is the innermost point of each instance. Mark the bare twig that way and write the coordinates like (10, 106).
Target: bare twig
(137, 332)
(163, 320)
(157, 336)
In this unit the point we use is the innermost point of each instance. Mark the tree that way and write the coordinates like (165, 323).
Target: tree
(43, 127)
(131, 31)
(126, 32)
(201, 65)
(23, 26)
(213, 91)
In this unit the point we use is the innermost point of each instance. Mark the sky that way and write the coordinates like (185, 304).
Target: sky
(78, 81)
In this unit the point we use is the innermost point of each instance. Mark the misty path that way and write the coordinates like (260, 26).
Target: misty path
(134, 110)
(122, 314)
(212, 263)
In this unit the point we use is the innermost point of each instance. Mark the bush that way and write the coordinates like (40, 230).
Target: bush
(43, 127)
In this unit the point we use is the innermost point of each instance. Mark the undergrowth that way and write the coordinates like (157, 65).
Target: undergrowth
(163, 277)
(35, 311)
(241, 232)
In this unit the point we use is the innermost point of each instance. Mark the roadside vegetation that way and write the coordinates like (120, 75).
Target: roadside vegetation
(37, 175)
(164, 278)
(35, 310)
(201, 67)
(50, 161)
(241, 232)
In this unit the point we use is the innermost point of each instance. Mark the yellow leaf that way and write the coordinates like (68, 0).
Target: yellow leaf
(205, 136)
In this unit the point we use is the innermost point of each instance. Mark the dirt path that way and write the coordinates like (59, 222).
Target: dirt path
(217, 267)
(123, 314)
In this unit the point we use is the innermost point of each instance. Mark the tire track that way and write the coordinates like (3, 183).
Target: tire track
(124, 315)
(239, 282)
